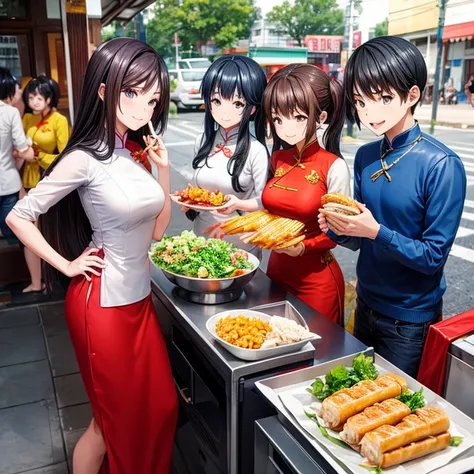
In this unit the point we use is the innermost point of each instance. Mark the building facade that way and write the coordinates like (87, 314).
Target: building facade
(458, 42)
(417, 21)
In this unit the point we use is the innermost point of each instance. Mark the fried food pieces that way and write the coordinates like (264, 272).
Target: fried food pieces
(268, 231)
(248, 333)
(200, 196)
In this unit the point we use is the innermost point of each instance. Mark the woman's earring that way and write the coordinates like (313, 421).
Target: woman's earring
(268, 132)
(216, 126)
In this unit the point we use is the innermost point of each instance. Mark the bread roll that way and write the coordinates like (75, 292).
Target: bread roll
(389, 412)
(338, 407)
(427, 421)
(416, 450)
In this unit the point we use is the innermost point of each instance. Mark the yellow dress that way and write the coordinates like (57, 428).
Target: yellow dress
(50, 136)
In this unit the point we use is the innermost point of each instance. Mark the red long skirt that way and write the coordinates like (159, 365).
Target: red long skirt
(125, 368)
(316, 279)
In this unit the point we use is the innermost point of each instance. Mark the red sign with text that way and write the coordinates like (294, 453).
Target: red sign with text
(323, 44)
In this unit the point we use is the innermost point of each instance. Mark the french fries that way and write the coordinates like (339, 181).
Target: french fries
(266, 230)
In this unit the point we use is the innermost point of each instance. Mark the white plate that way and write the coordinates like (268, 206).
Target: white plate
(177, 200)
(253, 354)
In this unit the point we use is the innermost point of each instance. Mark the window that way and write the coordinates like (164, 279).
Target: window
(201, 64)
(183, 65)
(470, 43)
(13, 8)
(193, 76)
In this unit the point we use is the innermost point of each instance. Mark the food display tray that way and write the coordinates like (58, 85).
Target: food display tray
(282, 385)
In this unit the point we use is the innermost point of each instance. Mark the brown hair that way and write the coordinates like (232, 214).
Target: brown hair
(306, 88)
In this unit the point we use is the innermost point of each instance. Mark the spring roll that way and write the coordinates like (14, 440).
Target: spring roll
(340, 406)
(416, 450)
(427, 421)
(389, 412)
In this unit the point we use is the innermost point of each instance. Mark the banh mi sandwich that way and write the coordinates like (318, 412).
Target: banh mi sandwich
(416, 450)
(340, 406)
(388, 412)
(427, 421)
(340, 204)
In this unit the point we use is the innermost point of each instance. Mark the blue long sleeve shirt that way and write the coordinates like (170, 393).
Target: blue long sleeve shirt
(400, 272)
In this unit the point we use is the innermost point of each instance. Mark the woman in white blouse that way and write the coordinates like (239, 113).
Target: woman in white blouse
(99, 209)
(228, 156)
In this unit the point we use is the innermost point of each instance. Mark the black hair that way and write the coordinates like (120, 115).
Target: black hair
(380, 65)
(8, 84)
(119, 64)
(230, 74)
(307, 88)
(46, 87)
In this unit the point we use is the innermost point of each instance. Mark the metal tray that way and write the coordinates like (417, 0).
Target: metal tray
(263, 313)
(273, 387)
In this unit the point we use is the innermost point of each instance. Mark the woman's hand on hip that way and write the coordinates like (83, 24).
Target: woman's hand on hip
(158, 152)
(86, 263)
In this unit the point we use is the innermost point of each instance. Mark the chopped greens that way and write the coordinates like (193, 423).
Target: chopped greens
(413, 400)
(193, 256)
(340, 377)
(325, 433)
(375, 469)
(456, 441)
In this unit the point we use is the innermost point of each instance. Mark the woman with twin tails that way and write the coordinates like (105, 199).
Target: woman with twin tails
(298, 101)
(229, 157)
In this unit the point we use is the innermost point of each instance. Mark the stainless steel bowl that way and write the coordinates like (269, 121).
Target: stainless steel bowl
(212, 290)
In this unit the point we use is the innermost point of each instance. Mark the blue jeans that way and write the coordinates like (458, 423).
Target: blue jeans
(6, 205)
(400, 342)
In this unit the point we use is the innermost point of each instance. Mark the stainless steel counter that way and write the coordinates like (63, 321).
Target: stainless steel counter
(191, 319)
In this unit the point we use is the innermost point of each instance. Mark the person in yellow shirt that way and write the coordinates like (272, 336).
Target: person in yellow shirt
(49, 132)
(47, 128)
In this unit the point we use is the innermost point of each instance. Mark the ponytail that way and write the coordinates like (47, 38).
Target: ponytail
(336, 118)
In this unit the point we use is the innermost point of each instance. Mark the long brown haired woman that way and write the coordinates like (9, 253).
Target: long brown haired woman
(298, 101)
(99, 210)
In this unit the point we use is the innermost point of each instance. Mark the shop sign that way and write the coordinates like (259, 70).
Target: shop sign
(76, 6)
(323, 44)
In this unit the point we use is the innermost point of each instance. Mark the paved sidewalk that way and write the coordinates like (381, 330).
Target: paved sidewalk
(459, 116)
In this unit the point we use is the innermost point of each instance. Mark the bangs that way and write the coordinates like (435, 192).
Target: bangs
(228, 81)
(287, 95)
(379, 70)
(146, 70)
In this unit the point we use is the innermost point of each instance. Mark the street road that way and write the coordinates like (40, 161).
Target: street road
(183, 130)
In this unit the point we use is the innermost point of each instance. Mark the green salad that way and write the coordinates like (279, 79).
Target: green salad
(193, 256)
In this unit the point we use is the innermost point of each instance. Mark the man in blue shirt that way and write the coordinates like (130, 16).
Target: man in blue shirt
(411, 189)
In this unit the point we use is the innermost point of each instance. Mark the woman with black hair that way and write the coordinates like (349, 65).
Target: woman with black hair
(49, 133)
(13, 143)
(298, 100)
(228, 156)
(98, 209)
(411, 190)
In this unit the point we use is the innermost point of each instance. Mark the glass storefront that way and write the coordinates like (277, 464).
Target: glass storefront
(13, 8)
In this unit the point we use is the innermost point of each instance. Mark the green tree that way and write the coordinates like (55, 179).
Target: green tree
(381, 29)
(116, 28)
(199, 21)
(308, 17)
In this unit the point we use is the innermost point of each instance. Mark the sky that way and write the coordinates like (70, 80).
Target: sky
(374, 11)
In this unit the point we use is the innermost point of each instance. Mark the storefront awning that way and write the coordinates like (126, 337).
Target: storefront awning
(458, 32)
(122, 10)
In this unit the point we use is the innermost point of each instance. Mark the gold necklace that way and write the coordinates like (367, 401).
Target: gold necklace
(385, 168)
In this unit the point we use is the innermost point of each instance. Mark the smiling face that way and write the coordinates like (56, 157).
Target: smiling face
(38, 103)
(292, 129)
(227, 113)
(385, 110)
(136, 106)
